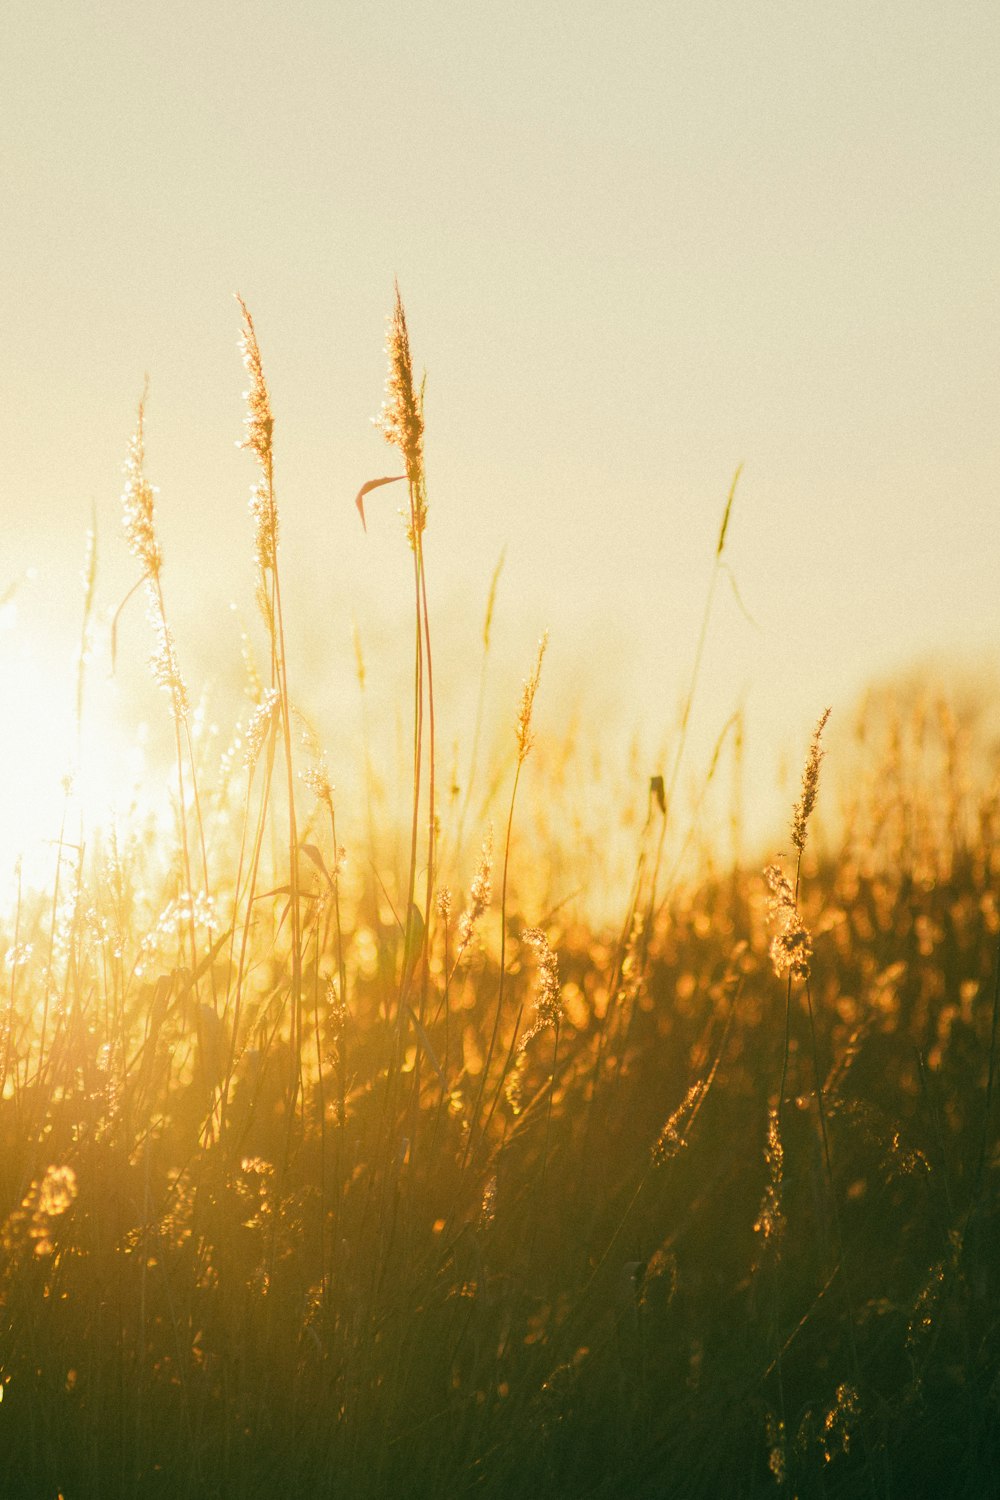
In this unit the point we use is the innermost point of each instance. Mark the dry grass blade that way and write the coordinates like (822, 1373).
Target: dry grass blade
(366, 489)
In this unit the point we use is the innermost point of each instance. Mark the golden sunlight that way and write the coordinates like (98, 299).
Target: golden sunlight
(459, 1034)
(61, 779)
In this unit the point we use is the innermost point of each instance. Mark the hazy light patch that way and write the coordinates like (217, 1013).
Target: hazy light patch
(58, 778)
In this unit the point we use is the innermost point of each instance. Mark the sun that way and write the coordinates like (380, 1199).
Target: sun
(64, 775)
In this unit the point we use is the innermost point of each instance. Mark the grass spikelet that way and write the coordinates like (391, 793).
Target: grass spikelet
(480, 893)
(139, 503)
(525, 736)
(810, 785)
(259, 440)
(259, 420)
(262, 721)
(401, 419)
(791, 946)
(672, 1138)
(547, 1004)
(770, 1221)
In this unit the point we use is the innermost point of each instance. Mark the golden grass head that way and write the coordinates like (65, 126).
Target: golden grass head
(317, 779)
(164, 665)
(673, 1137)
(259, 420)
(401, 419)
(138, 503)
(262, 721)
(810, 785)
(479, 895)
(265, 526)
(548, 1005)
(770, 1221)
(259, 424)
(525, 738)
(791, 946)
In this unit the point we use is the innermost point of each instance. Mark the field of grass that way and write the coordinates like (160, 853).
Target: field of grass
(324, 1177)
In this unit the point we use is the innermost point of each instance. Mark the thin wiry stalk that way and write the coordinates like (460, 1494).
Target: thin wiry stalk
(260, 434)
(525, 738)
(480, 704)
(671, 787)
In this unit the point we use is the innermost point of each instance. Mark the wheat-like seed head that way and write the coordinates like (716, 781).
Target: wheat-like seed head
(138, 503)
(164, 664)
(810, 785)
(261, 721)
(770, 1222)
(317, 779)
(525, 738)
(259, 424)
(259, 421)
(791, 946)
(547, 1004)
(673, 1137)
(401, 419)
(479, 896)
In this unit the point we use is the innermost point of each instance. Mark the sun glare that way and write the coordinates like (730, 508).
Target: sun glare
(58, 779)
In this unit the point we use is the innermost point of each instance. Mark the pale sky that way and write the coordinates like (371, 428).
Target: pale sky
(638, 244)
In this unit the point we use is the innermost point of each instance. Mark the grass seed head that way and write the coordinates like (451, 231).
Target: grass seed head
(525, 738)
(401, 419)
(547, 1004)
(259, 421)
(791, 946)
(810, 785)
(479, 895)
(138, 503)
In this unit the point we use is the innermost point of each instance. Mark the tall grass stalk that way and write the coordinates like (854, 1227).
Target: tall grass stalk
(259, 440)
(524, 736)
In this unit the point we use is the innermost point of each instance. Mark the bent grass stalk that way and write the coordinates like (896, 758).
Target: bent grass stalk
(259, 423)
(524, 736)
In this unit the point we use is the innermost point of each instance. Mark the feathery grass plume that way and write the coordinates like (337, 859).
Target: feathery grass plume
(164, 665)
(337, 1017)
(774, 1429)
(317, 776)
(259, 424)
(513, 1088)
(261, 722)
(401, 419)
(810, 785)
(672, 1138)
(770, 1221)
(139, 503)
(488, 1207)
(479, 896)
(259, 420)
(525, 737)
(791, 946)
(547, 1004)
(840, 1421)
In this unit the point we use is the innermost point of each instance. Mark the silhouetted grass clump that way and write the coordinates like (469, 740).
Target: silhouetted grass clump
(353, 1180)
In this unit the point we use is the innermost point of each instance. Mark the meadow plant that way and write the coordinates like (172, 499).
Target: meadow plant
(319, 1178)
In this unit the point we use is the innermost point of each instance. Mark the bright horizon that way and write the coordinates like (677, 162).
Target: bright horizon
(636, 250)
